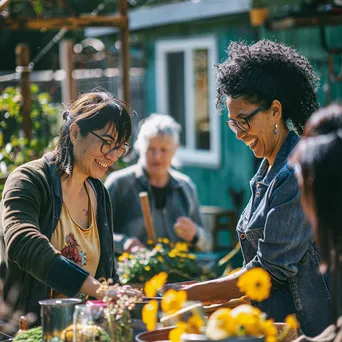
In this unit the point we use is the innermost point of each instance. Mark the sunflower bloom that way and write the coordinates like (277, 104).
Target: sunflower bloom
(173, 301)
(256, 283)
(149, 314)
(220, 325)
(154, 284)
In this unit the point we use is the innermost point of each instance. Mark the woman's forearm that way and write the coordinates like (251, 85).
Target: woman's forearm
(224, 288)
(90, 287)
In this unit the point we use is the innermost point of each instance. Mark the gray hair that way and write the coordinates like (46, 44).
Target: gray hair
(154, 125)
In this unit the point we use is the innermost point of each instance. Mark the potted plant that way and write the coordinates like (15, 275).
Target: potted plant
(258, 13)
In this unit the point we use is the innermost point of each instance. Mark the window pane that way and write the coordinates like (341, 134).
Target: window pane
(175, 86)
(202, 124)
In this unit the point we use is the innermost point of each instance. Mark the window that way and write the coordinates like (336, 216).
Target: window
(185, 89)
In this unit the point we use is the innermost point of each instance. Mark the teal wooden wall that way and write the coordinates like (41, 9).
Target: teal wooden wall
(237, 161)
(307, 41)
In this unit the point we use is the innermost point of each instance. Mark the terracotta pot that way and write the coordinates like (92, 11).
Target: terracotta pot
(258, 16)
(160, 335)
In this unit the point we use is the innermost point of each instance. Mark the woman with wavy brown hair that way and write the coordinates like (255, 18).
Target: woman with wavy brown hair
(56, 231)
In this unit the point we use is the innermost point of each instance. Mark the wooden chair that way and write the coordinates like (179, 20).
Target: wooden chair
(223, 228)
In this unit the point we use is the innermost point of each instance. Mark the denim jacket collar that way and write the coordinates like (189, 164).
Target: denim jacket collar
(281, 158)
(141, 175)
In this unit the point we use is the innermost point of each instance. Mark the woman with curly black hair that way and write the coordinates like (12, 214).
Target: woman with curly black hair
(270, 91)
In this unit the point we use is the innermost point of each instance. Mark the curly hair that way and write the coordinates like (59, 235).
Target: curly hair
(267, 71)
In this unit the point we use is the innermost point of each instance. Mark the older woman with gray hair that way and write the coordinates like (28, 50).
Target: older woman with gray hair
(173, 196)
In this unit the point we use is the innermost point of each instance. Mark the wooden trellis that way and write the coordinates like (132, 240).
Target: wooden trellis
(119, 20)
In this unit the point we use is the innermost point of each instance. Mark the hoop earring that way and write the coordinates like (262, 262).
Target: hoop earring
(275, 129)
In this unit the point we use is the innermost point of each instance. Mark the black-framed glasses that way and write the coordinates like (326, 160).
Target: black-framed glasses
(109, 146)
(243, 123)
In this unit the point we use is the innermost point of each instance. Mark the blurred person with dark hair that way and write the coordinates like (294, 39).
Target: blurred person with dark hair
(56, 232)
(173, 196)
(317, 160)
(270, 92)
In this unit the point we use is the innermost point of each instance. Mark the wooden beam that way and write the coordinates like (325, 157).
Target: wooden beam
(4, 4)
(124, 54)
(297, 22)
(70, 23)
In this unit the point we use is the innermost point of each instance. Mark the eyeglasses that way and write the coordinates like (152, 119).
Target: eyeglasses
(109, 146)
(243, 123)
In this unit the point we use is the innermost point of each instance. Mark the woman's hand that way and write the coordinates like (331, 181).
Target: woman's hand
(185, 228)
(115, 292)
(132, 245)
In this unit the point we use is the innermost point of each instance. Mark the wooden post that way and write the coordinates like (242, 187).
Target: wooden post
(22, 52)
(69, 88)
(124, 52)
(145, 208)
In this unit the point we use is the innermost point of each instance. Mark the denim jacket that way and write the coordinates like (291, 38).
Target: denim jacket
(275, 235)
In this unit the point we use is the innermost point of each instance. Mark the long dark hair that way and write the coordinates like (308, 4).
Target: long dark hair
(319, 155)
(268, 71)
(91, 111)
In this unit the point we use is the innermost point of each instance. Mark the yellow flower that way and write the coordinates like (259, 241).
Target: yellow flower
(125, 276)
(173, 301)
(248, 324)
(195, 324)
(269, 328)
(175, 334)
(149, 314)
(166, 240)
(182, 246)
(247, 320)
(147, 268)
(149, 242)
(154, 284)
(271, 338)
(160, 258)
(192, 256)
(292, 322)
(158, 248)
(172, 254)
(256, 283)
(220, 325)
(160, 240)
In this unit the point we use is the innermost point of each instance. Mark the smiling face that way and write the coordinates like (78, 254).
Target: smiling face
(260, 138)
(159, 154)
(89, 161)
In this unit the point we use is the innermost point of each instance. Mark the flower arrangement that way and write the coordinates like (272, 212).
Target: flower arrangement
(117, 312)
(242, 321)
(164, 256)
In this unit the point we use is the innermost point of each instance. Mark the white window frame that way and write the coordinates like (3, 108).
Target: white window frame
(188, 154)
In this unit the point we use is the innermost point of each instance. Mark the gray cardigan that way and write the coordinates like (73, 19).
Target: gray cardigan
(124, 187)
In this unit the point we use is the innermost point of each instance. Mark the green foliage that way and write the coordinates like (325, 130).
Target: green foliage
(14, 148)
(164, 256)
(258, 4)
